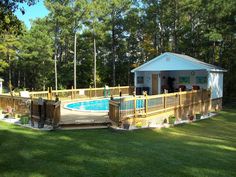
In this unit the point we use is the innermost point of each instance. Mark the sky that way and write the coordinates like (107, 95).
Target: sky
(32, 12)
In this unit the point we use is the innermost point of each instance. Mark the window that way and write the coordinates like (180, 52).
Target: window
(201, 79)
(184, 80)
(140, 80)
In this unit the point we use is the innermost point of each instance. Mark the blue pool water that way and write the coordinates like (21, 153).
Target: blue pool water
(92, 105)
(101, 105)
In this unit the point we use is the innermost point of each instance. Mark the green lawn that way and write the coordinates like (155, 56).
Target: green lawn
(204, 148)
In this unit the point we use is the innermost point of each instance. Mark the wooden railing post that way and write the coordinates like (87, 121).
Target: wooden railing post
(48, 95)
(180, 90)
(90, 90)
(135, 112)
(164, 98)
(72, 92)
(192, 101)
(146, 103)
(202, 101)
(118, 89)
(75, 93)
(210, 101)
(179, 107)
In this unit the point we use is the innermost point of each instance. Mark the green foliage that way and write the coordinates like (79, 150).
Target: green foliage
(9, 22)
(36, 53)
(24, 119)
(171, 119)
(3, 66)
(127, 34)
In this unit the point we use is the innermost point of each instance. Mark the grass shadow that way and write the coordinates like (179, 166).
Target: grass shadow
(204, 148)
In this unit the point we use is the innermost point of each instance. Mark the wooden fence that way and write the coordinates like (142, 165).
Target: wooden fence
(83, 93)
(182, 104)
(19, 104)
(47, 112)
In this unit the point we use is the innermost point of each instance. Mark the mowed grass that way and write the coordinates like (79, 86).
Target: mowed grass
(204, 148)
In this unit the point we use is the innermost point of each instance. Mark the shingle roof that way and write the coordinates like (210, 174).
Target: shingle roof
(197, 61)
(173, 61)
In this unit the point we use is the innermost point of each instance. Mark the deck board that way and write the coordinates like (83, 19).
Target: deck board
(78, 117)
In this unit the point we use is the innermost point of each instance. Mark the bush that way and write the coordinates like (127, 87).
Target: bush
(198, 116)
(139, 125)
(24, 120)
(171, 119)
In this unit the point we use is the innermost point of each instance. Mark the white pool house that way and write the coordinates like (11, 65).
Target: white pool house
(171, 71)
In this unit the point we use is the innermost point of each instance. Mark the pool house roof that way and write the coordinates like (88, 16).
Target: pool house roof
(175, 62)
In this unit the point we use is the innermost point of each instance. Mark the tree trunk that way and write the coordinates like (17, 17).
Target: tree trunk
(220, 53)
(213, 53)
(175, 38)
(55, 68)
(24, 81)
(18, 82)
(95, 62)
(55, 55)
(9, 72)
(75, 39)
(113, 52)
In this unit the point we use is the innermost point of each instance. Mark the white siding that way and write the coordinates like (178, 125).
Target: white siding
(138, 74)
(147, 80)
(170, 62)
(215, 81)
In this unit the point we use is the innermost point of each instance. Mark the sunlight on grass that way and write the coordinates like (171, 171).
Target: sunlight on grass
(205, 148)
(206, 145)
(223, 147)
(36, 175)
(204, 171)
(66, 138)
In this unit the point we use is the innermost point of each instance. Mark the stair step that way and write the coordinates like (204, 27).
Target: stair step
(82, 127)
(85, 125)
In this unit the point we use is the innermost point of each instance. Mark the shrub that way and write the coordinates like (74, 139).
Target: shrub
(171, 119)
(24, 120)
(139, 125)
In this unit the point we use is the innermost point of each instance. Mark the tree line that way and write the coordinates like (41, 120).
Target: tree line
(113, 37)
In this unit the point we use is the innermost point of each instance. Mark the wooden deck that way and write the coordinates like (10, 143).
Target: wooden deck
(182, 105)
(77, 118)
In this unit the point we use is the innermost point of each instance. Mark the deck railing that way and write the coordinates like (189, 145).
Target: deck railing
(182, 103)
(49, 111)
(19, 104)
(83, 93)
(45, 111)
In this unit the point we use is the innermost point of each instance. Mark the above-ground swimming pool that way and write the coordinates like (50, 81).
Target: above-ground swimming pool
(101, 105)
(91, 105)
